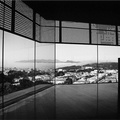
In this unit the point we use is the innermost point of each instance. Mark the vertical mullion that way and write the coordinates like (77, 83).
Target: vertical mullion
(34, 36)
(60, 31)
(34, 25)
(116, 35)
(54, 70)
(3, 63)
(118, 87)
(34, 80)
(13, 17)
(97, 78)
(90, 38)
(40, 29)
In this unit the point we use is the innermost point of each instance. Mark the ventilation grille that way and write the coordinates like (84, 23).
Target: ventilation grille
(23, 25)
(8, 14)
(5, 20)
(1, 14)
(24, 9)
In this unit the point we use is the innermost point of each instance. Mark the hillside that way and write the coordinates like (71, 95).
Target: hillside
(103, 65)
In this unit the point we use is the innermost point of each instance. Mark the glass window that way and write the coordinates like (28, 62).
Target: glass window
(47, 34)
(75, 24)
(18, 74)
(75, 35)
(76, 73)
(103, 37)
(108, 73)
(45, 65)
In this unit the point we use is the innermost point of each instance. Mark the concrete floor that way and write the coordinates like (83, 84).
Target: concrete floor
(67, 102)
(80, 101)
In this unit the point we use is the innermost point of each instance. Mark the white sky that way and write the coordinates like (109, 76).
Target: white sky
(87, 53)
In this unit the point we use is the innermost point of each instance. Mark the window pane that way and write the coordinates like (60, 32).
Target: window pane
(76, 68)
(47, 34)
(45, 65)
(75, 24)
(103, 37)
(19, 76)
(75, 35)
(102, 27)
(108, 73)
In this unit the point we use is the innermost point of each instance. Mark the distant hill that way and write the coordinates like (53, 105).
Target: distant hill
(70, 61)
(47, 61)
